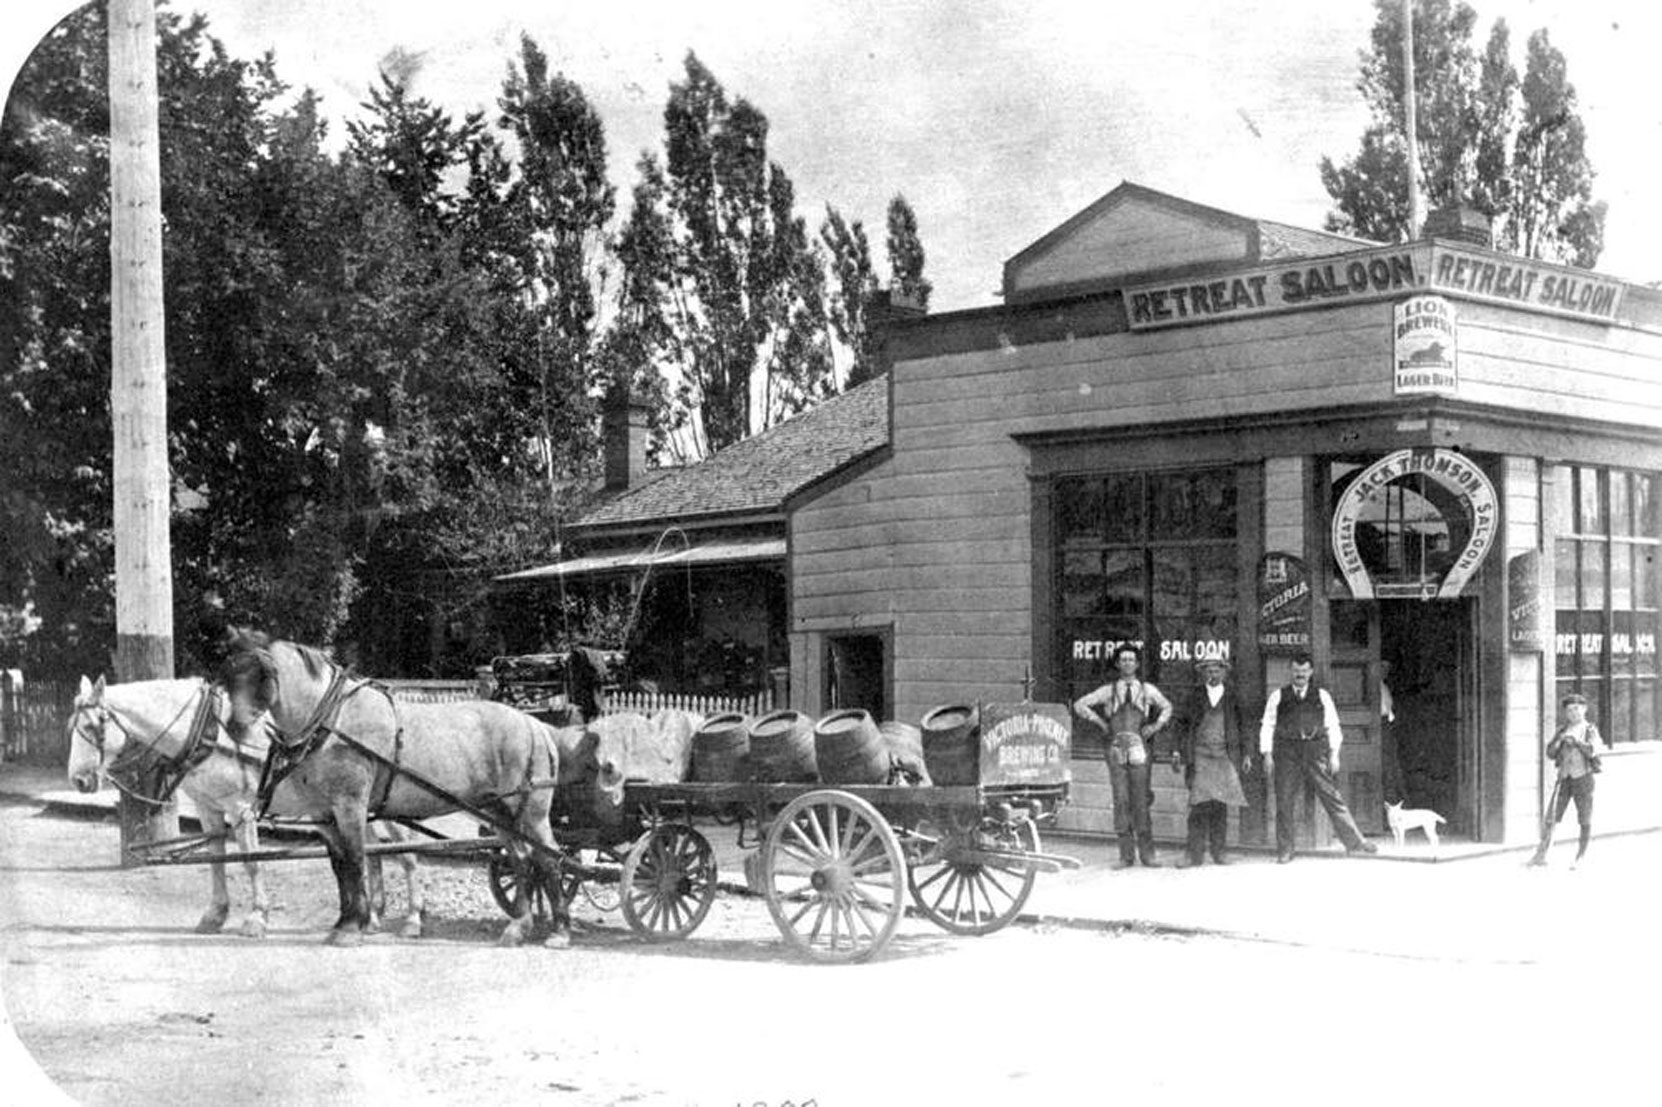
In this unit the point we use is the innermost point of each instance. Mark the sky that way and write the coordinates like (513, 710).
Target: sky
(997, 119)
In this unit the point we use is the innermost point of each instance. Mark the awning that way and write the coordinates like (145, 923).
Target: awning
(707, 553)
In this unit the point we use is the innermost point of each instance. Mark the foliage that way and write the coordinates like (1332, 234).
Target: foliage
(721, 274)
(1513, 150)
(854, 283)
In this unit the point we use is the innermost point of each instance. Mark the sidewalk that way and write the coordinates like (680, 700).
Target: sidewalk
(1479, 903)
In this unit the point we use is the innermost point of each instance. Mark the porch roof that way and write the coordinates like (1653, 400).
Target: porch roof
(705, 553)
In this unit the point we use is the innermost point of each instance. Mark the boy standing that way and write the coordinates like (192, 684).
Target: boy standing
(1576, 749)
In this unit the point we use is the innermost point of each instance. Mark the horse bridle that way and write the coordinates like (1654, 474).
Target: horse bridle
(139, 758)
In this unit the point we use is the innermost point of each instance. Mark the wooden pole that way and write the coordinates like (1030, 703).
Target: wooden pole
(1416, 218)
(138, 380)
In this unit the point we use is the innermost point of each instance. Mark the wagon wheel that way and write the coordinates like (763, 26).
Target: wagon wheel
(967, 895)
(833, 875)
(504, 882)
(668, 882)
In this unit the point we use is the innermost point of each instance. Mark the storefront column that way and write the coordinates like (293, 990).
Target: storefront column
(1527, 690)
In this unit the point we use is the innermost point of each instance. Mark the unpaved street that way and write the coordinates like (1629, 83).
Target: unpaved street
(119, 1002)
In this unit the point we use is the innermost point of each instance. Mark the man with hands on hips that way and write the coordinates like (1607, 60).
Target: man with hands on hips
(1132, 711)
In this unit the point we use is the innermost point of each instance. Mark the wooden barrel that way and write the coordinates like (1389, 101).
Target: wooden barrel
(906, 764)
(952, 743)
(721, 749)
(849, 749)
(782, 748)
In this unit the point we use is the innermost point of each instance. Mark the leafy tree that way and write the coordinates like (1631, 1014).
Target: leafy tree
(724, 275)
(1524, 169)
(854, 282)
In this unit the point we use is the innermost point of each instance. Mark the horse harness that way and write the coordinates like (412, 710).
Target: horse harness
(139, 756)
(287, 754)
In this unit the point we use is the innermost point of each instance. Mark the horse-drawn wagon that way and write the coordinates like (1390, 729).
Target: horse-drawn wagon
(613, 809)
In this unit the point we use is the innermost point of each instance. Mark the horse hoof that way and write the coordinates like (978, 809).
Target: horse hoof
(373, 926)
(411, 928)
(210, 924)
(344, 938)
(512, 936)
(253, 927)
(559, 939)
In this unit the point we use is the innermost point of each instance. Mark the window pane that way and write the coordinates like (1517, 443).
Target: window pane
(1186, 506)
(1621, 576)
(1644, 709)
(1079, 510)
(1644, 644)
(1619, 727)
(1593, 577)
(1566, 574)
(1174, 585)
(1589, 504)
(1644, 576)
(1123, 584)
(1621, 503)
(1123, 508)
(1566, 639)
(1082, 583)
(1646, 513)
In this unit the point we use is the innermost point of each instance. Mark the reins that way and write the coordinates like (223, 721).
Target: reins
(140, 756)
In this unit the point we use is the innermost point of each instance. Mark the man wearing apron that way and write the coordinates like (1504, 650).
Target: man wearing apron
(1133, 712)
(1210, 759)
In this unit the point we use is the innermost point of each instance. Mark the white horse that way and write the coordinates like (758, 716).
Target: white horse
(180, 726)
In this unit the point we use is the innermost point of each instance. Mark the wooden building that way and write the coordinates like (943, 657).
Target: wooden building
(1220, 436)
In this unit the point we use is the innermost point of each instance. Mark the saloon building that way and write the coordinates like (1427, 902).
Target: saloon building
(1435, 466)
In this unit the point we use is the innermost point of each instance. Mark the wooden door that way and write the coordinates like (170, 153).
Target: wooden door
(1353, 674)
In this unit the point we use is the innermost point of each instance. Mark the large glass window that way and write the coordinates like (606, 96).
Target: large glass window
(1605, 596)
(1148, 558)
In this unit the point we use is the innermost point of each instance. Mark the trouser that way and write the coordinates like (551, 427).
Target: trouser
(1304, 761)
(1580, 789)
(1208, 825)
(1131, 820)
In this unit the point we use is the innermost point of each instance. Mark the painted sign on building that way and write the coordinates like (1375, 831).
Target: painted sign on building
(1520, 282)
(1468, 485)
(1526, 630)
(1425, 348)
(1025, 743)
(1283, 604)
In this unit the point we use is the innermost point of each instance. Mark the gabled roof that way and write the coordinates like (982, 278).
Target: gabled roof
(1133, 230)
(756, 475)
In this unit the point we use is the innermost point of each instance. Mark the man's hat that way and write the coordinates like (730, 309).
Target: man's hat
(1220, 662)
(1574, 697)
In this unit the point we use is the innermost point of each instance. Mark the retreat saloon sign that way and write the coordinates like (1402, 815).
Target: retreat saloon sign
(1386, 272)
(1456, 473)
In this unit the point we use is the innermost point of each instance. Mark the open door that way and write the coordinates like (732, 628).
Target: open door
(1354, 672)
(1431, 651)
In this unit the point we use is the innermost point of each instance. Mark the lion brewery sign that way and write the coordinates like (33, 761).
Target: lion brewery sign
(1364, 498)
(1424, 345)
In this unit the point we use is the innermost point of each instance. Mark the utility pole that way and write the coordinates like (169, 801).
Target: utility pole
(1416, 217)
(138, 381)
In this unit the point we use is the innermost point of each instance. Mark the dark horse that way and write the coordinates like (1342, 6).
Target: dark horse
(352, 752)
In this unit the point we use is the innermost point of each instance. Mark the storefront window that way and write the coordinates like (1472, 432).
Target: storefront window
(1606, 597)
(1146, 558)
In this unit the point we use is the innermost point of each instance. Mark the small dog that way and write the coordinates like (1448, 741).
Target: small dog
(1402, 820)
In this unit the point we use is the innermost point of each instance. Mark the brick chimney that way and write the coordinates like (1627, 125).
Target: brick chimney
(1461, 223)
(624, 419)
(884, 308)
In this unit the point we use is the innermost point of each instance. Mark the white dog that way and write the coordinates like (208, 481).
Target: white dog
(1402, 820)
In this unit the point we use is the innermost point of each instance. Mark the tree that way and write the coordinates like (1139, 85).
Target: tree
(853, 282)
(1526, 170)
(724, 274)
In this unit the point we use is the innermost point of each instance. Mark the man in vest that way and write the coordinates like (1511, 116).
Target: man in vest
(1299, 739)
(1132, 711)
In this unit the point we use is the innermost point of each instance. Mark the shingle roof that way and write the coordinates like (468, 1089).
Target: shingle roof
(759, 473)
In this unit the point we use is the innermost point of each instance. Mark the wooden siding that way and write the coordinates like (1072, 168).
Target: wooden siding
(1521, 760)
(1131, 237)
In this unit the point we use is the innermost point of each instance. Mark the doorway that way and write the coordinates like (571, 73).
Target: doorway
(856, 674)
(1429, 665)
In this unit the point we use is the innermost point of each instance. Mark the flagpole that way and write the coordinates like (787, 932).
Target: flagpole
(1416, 218)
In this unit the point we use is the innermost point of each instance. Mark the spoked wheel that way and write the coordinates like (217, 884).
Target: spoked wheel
(505, 880)
(971, 894)
(833, 876)
(668, 882)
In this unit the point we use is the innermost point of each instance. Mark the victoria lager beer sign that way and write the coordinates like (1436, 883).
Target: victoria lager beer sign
(1283, 604)
(1025, 743)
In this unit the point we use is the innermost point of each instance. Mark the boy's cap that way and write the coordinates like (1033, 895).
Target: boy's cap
(1574, 697)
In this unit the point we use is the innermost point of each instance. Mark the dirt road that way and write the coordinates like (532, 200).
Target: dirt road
(120, 1003)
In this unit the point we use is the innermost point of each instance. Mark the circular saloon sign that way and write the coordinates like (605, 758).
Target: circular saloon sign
(1457, 481)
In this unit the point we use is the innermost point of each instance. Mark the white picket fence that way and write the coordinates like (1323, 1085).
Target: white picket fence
(647, 703)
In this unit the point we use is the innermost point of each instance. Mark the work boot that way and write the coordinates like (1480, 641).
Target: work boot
(1146, 855)
(1128, 856)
